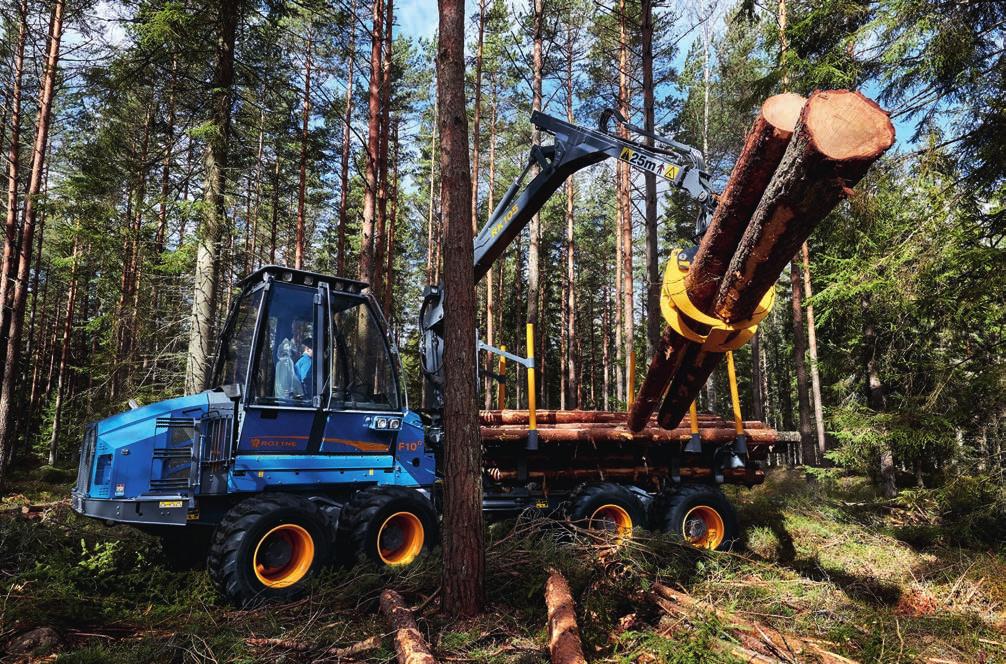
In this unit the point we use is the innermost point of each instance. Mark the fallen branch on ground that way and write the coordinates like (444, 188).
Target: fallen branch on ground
(410, 646)
(564, 645)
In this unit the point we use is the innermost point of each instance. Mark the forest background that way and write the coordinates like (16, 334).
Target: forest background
(155, 152)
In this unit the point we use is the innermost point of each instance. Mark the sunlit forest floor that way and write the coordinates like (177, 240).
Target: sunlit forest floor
(859, 577)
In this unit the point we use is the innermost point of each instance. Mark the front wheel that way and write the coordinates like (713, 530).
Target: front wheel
(702, 516)
(267, 548)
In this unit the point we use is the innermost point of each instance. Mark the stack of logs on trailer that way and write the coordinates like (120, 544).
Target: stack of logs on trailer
(578, 446)
(800, 159)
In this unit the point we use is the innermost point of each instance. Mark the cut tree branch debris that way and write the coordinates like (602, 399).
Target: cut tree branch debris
(564, 644)
(410, 646)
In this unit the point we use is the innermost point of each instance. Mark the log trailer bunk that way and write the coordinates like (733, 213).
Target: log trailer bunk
(289, 463)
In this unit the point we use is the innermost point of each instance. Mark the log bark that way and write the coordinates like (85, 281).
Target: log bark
(564, 646)
(837, 138)
(410, 645)
(763, 150)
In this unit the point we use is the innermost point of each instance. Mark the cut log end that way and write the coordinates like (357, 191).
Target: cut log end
(846, 125)
(782, 111)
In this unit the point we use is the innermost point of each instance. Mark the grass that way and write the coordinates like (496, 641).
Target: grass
(823, 559)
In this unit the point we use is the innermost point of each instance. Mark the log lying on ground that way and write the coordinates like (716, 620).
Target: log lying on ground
(763, 149)
(410, 646)
(754, 637)
(840, 134)
(731, 475)
(564, 645)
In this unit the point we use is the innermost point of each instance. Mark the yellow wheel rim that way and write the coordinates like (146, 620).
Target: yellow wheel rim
(611, 517)
(283, 556)
(703, 527)
(400, 538)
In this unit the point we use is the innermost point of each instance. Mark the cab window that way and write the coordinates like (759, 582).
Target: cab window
(363, 375)
(286, 364)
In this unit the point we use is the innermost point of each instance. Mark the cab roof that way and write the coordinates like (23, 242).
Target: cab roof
(302, 277)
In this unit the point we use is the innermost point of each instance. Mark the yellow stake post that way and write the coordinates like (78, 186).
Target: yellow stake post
(501, 384)
(693, 418)
(532, 440)
(734, 396)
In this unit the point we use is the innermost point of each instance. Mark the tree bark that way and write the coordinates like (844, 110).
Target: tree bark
(564, 644)
(568, 393)
(464, 548)
(169, 146)
(800, 362)
(410, 645)
(347, 120)
(757, 409)
(20, 289)
(815, 373)
(653, 316)
(625, 205)
(490, 202)
(431, 260)
(382, 159)
(298, 256)
(389, 271)
(211, 232)
(533, 259)
(477, 116)
(13, 166)
(64, 354)
(366, 271)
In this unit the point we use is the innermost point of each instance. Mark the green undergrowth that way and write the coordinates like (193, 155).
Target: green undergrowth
(824, 559)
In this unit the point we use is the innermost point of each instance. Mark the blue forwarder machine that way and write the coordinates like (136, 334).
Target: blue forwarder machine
(305, 450)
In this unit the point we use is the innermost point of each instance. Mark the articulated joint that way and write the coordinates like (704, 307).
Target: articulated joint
(683, 316)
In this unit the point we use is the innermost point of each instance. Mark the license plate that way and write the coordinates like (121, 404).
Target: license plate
(165, 504)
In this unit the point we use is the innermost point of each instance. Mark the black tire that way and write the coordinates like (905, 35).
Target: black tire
(401, 519)
(186, 548)
(605, 506)
(702, 516)
(298, 541)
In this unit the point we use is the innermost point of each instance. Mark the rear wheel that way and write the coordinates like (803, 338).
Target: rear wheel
(268, 548)
(606, 506)
(702, 516)
(389, 525)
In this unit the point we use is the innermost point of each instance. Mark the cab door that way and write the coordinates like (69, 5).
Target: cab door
(286, 394)
(365, 409)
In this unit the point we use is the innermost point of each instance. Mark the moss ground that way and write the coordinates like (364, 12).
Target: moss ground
(823, 559)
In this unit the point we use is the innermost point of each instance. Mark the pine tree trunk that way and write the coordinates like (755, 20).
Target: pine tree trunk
(13, 166)
(347, 121)
(169, 146)
(490, 203)
(653, 316)
(298, 256)
(213, 227)
(757, 410)
(815, 373)
(876, 398)
(366, 271)
(274, 213)
(389, 270)
(800, 362)
(464, 549)
(625, 205)
(13, 346)
(476, 116)
(533, 259)
(382, 160)
(431, 260)
(64, 353)
(568, 393)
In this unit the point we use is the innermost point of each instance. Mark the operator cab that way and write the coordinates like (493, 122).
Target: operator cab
(298, 339)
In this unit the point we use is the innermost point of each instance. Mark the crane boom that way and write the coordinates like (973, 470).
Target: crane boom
(573, 148)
